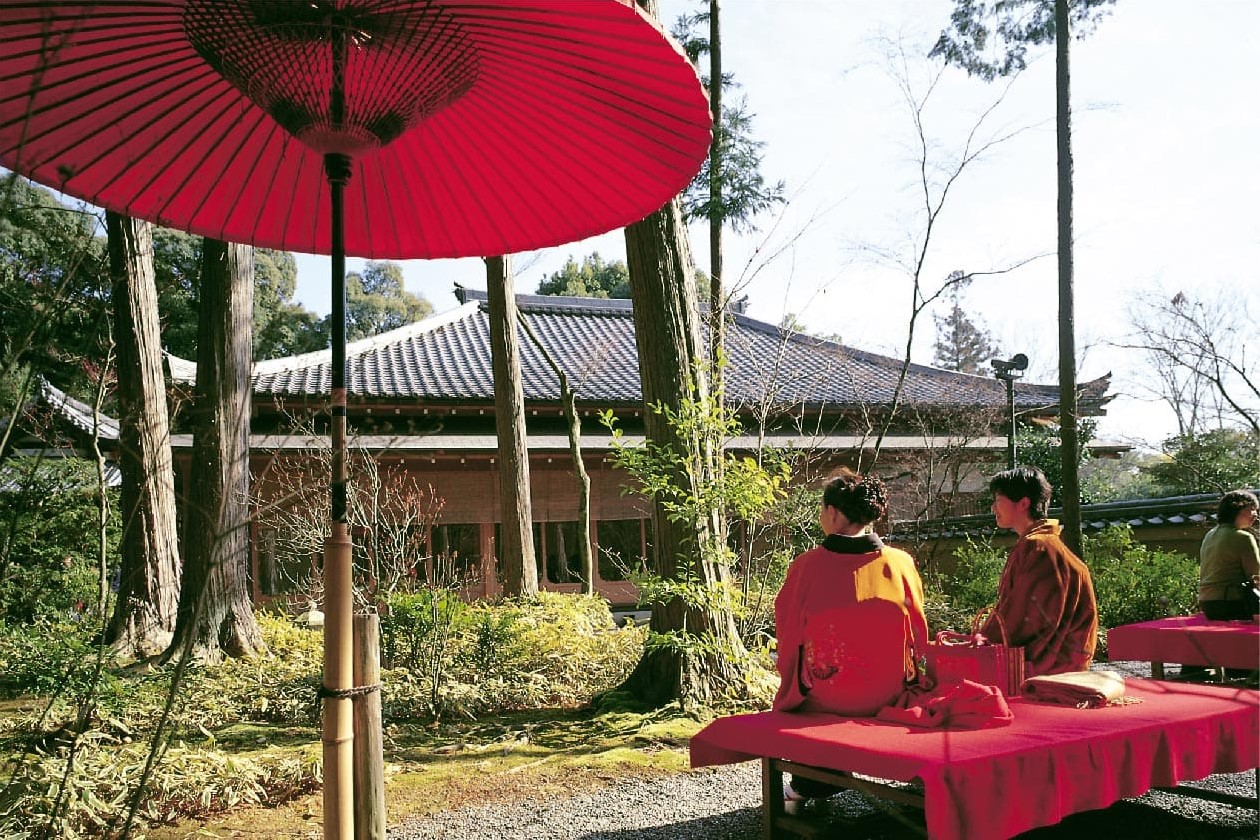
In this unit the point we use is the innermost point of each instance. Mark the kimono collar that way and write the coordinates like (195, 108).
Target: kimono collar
(1043, 526)
(862, 544)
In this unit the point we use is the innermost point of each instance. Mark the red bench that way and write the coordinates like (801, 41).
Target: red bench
(993, 783)
(1187, 640)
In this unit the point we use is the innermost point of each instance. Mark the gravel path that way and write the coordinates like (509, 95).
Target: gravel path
(723, 803)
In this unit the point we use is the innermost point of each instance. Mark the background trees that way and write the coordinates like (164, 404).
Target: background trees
(594, 277)
(1198, 355)
(991, 41)
(376, 301)
(962, 344)
(54, 291)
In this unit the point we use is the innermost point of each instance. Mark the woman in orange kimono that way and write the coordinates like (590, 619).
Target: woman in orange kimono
(849, 619)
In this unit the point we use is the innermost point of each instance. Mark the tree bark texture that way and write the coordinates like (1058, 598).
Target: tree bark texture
(717, 307)
(1070, 449)
(148, 590)
(585, 550)
(216, 614)
(520, 571)
(666, 321)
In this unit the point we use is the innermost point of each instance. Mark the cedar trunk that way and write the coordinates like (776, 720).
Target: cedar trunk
(1068, 436)
(666, 321)
(216, 615)
(148, 586)
(520, 571)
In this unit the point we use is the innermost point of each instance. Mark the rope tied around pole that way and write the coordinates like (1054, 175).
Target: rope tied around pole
(326, 693)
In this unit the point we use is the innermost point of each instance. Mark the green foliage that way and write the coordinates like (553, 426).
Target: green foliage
(376, 301)
(282, 327)
(560, 650)
(1118, 479)
(743, 189)
(50, 656)
(177, 274)
(48, 556)
(956, 598)
(416, 634)
(188, 782)
(679, 480)
(593, 278)
(1209, 462)
(279, 686)
(1040, 447)
(1131, 582)
(1135, 583)
(557, 650)
(54, 285)
(992, 39)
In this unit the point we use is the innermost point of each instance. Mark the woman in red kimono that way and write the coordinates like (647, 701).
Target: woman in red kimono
(849, 618)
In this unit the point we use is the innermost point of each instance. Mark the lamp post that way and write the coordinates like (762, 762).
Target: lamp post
(1008, 371)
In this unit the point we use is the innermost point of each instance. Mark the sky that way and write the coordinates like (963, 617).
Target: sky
(1165, 128)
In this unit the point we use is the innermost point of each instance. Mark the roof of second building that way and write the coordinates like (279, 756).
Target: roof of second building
(447, 357)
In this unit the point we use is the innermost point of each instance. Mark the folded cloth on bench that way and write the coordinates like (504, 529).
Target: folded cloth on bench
(960, 705)
(1083, 689)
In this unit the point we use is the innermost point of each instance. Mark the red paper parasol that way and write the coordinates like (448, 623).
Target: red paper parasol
(375, 128)
(477, 127)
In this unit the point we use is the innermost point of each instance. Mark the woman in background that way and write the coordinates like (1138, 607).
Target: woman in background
(1228, 559)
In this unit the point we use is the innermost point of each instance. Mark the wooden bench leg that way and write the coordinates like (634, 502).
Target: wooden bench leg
(1157, 670)
(771, 798)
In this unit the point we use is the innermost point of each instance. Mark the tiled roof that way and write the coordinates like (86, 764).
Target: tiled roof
(75, 412)
(1198, 509)
(447, 357)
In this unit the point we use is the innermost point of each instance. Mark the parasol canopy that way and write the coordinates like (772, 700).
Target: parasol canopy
(475, 127)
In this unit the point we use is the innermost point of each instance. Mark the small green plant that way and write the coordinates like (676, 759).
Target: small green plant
(48, 559)
(955, 599)
(1132, 582)
(1135, 583)
(700, 493)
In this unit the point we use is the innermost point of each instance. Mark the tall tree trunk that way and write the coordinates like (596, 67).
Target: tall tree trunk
(569, 398)
(1070, 450)
(717, 309)
(520, 571)
(585, 550)
(666, 324)
(216, 614)
(148, 591)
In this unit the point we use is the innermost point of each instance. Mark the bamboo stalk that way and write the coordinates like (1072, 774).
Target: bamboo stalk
(338, 730)
(369, 753)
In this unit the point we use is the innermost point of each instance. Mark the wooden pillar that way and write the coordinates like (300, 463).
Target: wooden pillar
(369, 754)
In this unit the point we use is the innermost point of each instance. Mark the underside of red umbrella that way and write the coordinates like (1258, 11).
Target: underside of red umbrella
(475, 126)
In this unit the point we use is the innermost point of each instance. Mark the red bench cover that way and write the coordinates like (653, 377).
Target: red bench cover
(1050, 762)
(1187, 640)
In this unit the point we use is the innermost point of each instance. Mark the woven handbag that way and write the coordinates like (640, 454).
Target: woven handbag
(954, 657)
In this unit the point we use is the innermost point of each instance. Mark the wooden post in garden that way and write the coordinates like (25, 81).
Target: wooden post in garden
(369, 754)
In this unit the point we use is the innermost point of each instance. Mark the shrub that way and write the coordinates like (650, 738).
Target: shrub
(1135, 583)
(559, 650)
(48, 554)
(1131, 582)
(187, 782)
(50, 657)
(954, 600)
(279, 686)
